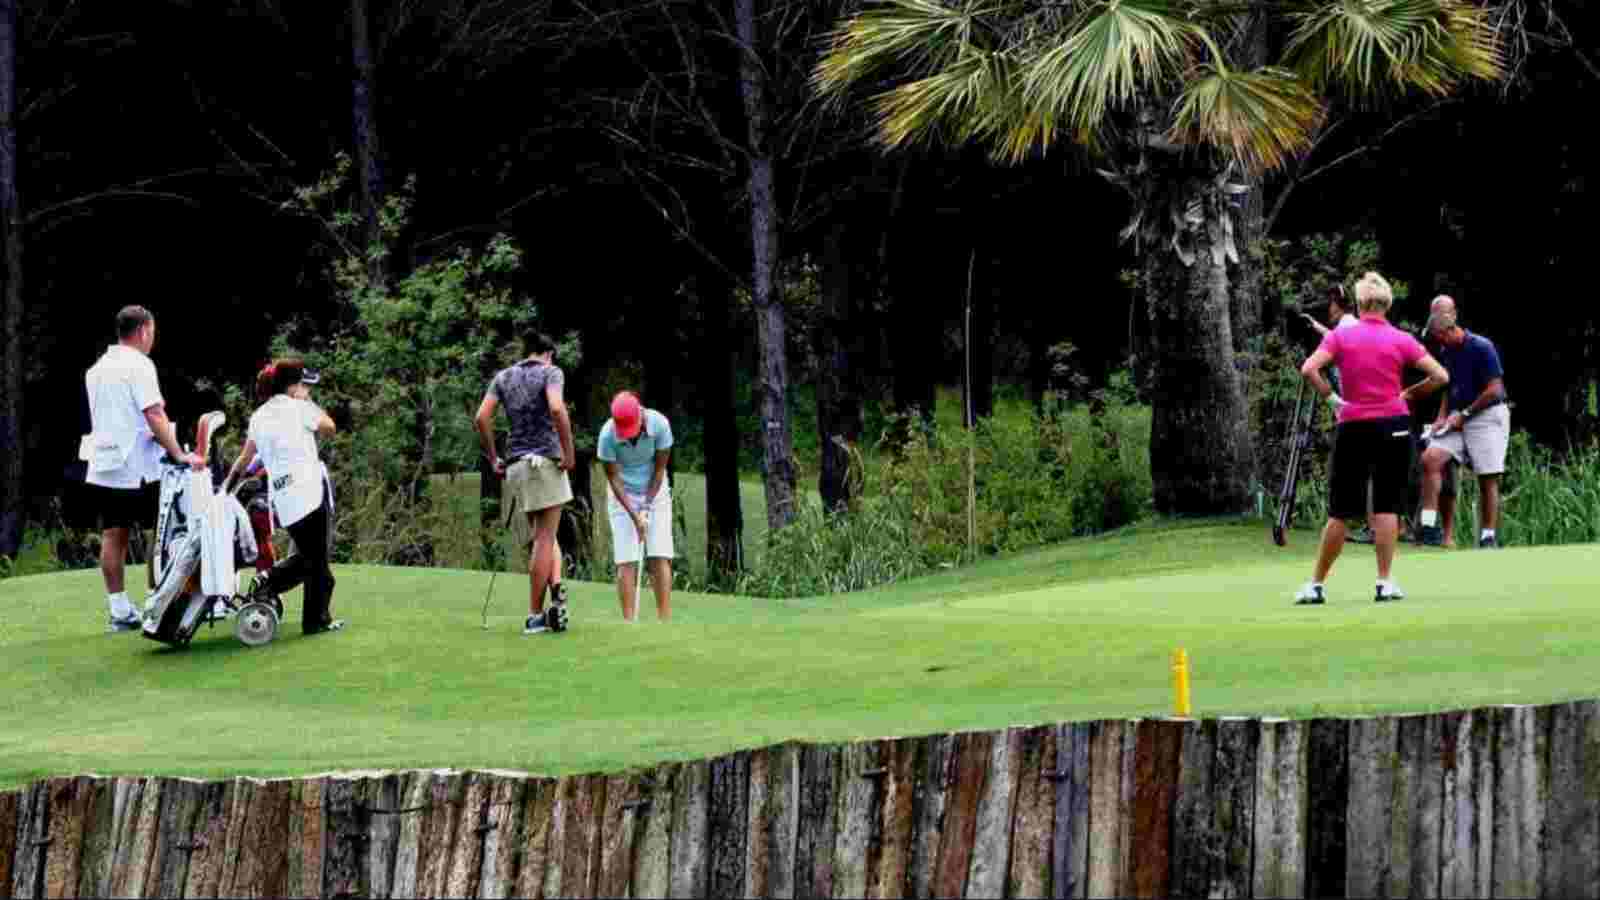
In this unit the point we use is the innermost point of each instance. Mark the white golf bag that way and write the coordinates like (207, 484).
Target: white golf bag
(201, 534)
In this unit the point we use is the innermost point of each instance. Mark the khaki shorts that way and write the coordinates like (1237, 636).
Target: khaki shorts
(1481, 445)
(537, 482)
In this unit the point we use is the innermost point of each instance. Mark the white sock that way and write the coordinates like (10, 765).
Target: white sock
(1430, 518)
(121, 607)
(1487, 533)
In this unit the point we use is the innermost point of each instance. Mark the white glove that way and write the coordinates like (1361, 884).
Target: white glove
(1336, 401)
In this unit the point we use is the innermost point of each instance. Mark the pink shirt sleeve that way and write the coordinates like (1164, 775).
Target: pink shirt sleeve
(1411, 350)
(1330, 343)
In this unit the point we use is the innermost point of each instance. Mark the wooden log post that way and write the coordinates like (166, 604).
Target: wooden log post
(409, 828)
(69, 800)
(307, 840)
(1571, 839)
(895, 825)
(378, 804)
(814, 844)
(1280, 817)
(465, 861)
(1414, 862)
(774, 818)
(9, 801)
(345, 836)
(618, 825)
(690, 831)
(1328, 793)
(1069, 840)
(990, 866)
(652, 858)
(1374, 756)
(33, 830)
(935, 774)
(1467, 798)
(853, 816)
(207, 840)
(1157, 749)
(1108, 848)
(184, 798)
(1033, 815)
(136, 847)
(1520, 747)
(263, 854)
(436, 840)
(961, 813)
(538, 851)
(728, 824)
(1196, 842)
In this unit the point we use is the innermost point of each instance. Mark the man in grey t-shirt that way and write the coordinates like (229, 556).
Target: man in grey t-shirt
(541, 455)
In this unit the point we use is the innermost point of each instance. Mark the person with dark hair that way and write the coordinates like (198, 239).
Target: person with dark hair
(129, 429)
(284, 434)
(541, 454)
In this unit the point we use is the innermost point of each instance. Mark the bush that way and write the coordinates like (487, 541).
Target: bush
(1544, 498)
(1039, 479)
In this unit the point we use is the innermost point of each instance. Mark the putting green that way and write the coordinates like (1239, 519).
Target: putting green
(1080, 631)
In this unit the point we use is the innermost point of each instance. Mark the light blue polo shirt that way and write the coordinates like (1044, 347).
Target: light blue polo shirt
(636, 458)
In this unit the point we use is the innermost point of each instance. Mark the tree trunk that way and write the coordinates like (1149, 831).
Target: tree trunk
(839, 419)
(772, 380)
(12, 502)
(1249, 275)
(1199, 434)
(718, 377)
(363, 115)
(982, 337)
(918, 299)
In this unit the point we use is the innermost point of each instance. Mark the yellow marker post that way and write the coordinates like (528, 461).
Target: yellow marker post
(1180, 682)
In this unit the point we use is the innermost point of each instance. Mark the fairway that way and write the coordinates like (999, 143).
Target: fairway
(1080, 631)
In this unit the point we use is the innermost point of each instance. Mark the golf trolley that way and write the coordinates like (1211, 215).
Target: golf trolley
(1301, 429)
(202, 534)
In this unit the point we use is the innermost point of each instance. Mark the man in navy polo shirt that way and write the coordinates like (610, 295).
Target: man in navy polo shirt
(1473, 425)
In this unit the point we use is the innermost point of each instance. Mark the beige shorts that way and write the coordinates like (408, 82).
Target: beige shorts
(1481, 445)
(536, 483)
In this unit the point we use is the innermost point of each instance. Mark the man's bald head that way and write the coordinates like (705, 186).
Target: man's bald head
(1442, 315)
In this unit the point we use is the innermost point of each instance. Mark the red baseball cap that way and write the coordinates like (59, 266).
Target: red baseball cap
(626, 415)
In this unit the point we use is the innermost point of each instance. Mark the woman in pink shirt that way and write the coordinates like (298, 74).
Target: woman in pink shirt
(1373, 438)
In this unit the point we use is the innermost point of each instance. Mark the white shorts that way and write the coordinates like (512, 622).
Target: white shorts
(1482, 445)
(658, 527)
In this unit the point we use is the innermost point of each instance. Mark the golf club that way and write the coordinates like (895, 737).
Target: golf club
(511, 511)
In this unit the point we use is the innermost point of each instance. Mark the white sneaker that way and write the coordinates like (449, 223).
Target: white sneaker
(535, 625)
(1310, 595)
(1388, 590)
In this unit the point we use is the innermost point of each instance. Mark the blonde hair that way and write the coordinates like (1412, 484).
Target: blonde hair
(1373, 294)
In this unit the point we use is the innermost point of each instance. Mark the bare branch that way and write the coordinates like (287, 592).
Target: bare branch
(45, 212)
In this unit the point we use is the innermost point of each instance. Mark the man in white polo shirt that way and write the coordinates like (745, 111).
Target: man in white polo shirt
(635, 445)
(123, 449)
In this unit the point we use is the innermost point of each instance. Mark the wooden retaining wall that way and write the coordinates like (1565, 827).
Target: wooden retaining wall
(1498, 802)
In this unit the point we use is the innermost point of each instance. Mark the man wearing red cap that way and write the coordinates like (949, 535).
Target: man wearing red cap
(635, 445)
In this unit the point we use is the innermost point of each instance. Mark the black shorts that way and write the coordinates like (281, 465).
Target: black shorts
(1375, 450)
(117, 507)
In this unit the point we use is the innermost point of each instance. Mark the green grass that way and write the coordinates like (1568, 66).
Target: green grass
(689, 504)
(1080, 631)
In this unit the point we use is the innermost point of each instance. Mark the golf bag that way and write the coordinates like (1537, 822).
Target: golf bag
(1301, 428)
(202, 535)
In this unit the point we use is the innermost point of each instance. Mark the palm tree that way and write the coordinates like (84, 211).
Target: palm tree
(1187, 103)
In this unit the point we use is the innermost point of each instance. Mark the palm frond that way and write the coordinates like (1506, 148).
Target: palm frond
(1114, 51)
(1366, 49)
(1261, 118)
(963, 101)
(912, 38)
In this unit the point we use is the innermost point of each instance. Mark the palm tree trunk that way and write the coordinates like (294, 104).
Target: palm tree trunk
(12, 502)
(773, 370)
(363, 115)
(839, 416)
(1199, 435)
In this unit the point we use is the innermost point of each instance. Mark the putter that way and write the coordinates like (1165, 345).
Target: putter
(638, 572)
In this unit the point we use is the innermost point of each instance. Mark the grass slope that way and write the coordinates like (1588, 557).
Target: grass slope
(1079, 631)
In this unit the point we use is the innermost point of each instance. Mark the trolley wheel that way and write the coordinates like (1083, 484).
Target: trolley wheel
(255, 624)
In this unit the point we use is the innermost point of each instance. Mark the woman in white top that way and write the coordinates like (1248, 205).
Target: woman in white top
(284, 432)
